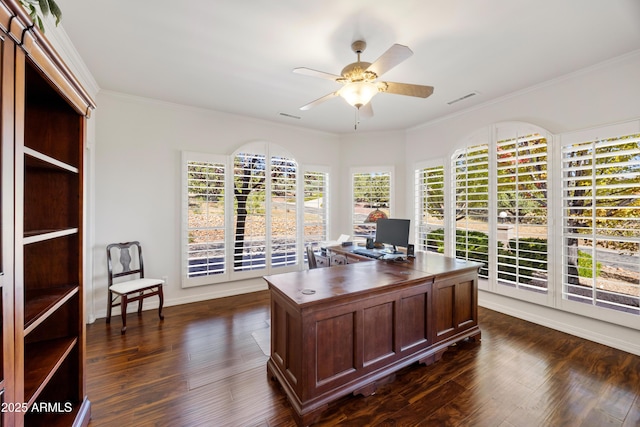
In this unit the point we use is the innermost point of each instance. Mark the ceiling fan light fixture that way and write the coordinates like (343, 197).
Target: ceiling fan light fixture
(358, 94)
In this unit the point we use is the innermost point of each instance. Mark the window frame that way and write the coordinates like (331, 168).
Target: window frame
(556, 255)
(518, 132)
(490, 137)
(269, 150)
(617, 130)
(186, 281)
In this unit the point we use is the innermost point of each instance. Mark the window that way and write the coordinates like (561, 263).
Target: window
(241, 214)
(250, 211)
(316, 186)
(521, 229)
(265, 227)
(601, 220)
(284, 222)
(471, 198)
(205, 216)
(504, 194)
(430, 209)
(371, 192)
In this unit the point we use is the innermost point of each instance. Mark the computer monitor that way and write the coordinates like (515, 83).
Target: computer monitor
(394, 232)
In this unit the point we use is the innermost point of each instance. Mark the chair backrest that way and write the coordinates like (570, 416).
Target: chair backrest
(311, 258)
(124, 259)
(338, 259)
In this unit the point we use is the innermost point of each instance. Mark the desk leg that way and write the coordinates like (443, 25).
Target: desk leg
(371, 388)
(476, 337)
(433, 357)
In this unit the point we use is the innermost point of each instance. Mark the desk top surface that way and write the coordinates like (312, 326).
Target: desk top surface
(317, 285)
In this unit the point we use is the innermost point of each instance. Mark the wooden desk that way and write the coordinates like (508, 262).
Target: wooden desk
(347, 329)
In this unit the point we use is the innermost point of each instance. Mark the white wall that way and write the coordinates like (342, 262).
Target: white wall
(138, 178)
(603, 94)
(361, 149)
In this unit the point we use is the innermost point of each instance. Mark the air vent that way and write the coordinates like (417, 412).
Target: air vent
(291, 116)
(462, 98)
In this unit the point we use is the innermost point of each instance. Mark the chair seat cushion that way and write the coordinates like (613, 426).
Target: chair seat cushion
(135, 285)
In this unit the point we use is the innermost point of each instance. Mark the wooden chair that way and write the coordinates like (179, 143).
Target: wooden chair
(338, 259)
(311, 258)
(124, 260)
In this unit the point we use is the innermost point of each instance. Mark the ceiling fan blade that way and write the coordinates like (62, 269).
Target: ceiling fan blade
(314, 73)
(408, 89)
(319, 101)
(366, 111)
(392, 57)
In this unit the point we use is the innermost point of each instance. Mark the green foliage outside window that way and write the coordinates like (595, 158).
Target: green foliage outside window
(372, 189)
(585, 265)
(474, 246)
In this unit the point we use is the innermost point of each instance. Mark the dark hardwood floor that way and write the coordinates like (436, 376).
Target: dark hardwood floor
(204, 366)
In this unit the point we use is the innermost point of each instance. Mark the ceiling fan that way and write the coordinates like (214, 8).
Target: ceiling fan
(360, 82)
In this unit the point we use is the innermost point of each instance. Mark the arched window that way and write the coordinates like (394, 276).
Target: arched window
(500, 199)
(522, 210)
(510, 180)
(264, 214)
(241, 214)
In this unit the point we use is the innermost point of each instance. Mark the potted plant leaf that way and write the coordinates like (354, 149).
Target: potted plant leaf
(38, 9)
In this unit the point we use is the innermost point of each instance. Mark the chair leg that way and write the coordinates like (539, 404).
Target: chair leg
(123, 306)
(140, 304)
(110, 302)
(161, 297)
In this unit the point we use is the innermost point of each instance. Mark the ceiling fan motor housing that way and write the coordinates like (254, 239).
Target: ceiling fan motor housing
(357, 71)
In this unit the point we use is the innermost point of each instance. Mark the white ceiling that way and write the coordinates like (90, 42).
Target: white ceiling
(237, 55)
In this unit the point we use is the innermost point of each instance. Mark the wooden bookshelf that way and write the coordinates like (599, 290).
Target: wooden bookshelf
(42, 359)
(42, 303)
(44, 111)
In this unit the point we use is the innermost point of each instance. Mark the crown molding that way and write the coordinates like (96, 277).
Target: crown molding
(59, 39)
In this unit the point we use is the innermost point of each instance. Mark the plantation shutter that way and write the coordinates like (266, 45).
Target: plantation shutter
(283, 211)
(601, 220)
(250, 239)
(204, 218)
(316, 185)
(471, 187)
(430, 211)
(371, 191)
(522, 212)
